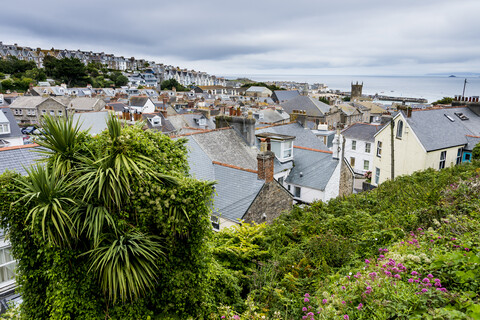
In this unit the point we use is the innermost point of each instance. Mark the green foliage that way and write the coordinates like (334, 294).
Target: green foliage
(476, 152)
(445, 100)
(69, 70)
(261, 84)
(115, 227)
(14, 66)
(324, 100)
(173, 83)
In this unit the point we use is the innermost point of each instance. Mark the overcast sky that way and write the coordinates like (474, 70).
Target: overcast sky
(224, 37)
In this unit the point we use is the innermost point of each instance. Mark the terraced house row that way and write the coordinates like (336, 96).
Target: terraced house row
(161, 71)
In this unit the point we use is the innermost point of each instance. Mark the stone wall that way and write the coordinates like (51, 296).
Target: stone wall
(346, 180)
(271, 201)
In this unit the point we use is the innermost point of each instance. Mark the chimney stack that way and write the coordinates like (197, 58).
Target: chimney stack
(265, 162)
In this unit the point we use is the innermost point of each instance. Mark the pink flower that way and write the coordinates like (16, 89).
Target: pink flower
(426, 280)
(367, 261)
(429, 275)
(223, 317)
(306, 295)
(304, 309)
(324, 301)
(424, 290)
(306, 300)
(343, 302)
(343, 287)
(236, 317)
(346, 317)
(360, 306)
(414, 273)
(410, 280)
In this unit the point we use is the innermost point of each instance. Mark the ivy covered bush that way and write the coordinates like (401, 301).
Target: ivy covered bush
(110, 226)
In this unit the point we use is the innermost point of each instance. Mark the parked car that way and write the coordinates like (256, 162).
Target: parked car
(28, 130)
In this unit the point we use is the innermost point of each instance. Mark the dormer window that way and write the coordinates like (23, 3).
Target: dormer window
(4, 128)
(156, 121)
(202, 122)
(281, 145)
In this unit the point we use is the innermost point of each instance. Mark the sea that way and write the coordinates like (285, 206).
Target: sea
(428, 87)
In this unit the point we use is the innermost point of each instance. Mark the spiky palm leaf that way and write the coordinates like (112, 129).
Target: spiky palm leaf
(53, 209)
(61, 142)
(90, 221)
(125, 265)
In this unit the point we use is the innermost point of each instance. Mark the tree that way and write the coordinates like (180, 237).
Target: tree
(121, 81)
(324, 100)
(69, 70)
(445, 100)
(115, 218)
(172, 83)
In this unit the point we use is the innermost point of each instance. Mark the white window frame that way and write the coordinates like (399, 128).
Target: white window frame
(366, 165)
(297, 190)
(459, 155)
(354, 144)
(379, 149)
(368, 147)
(215, 221)
(377, 175)
(443, 159)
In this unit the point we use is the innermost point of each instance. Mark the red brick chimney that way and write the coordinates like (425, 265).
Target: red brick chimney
(265, 162)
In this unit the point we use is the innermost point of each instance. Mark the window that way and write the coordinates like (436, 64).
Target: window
(459, 156)
(4, 128)
(379, 148)
(297, 192)
(443, 157)
(366, 165)
(377, 175)
(18, 112)
(354, 145)
(52, 112)
(399, 129)
(288, 187)
(280, 180)
(60, 113)
(352, 161)
(33, 112)
(467, 156)
(44, 112)
(368, 146)
(7, 265)
(215, 222)
(287, 149)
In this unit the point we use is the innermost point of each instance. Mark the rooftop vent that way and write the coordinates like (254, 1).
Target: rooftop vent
(461, 116)
(449, 118)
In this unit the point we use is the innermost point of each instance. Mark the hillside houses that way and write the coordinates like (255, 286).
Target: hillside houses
(159, 72)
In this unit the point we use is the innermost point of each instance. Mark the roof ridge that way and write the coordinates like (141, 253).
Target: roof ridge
(33, 145)
(233, 166)
(204, 131)
(472, 136)
(275, 125)
(311, 149)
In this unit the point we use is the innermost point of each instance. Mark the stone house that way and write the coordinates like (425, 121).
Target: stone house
(30, 109)
(245, 189)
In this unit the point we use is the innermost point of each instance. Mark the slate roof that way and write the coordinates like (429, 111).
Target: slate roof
(348, 109)
(472, 142)
(86, 104)
(166, 126)
(361, 132)
(27, 102)
(226, 146)
(312, 169)
(14, 128)
(435, 131)
(138, 101)
(280, 96)
(271, 116)
(18, 158)
(235, 188)
(96, 122)
(313, 107)
(303, 137)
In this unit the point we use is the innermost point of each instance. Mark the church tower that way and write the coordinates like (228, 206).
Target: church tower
(356, 91)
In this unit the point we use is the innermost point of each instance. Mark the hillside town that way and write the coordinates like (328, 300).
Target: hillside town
(267, 150)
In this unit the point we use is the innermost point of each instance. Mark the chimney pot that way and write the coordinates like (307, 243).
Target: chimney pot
(265, 165)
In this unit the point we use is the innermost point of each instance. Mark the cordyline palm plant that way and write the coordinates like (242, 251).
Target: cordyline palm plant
(61, 142)
(78, 196)
(54, 207)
